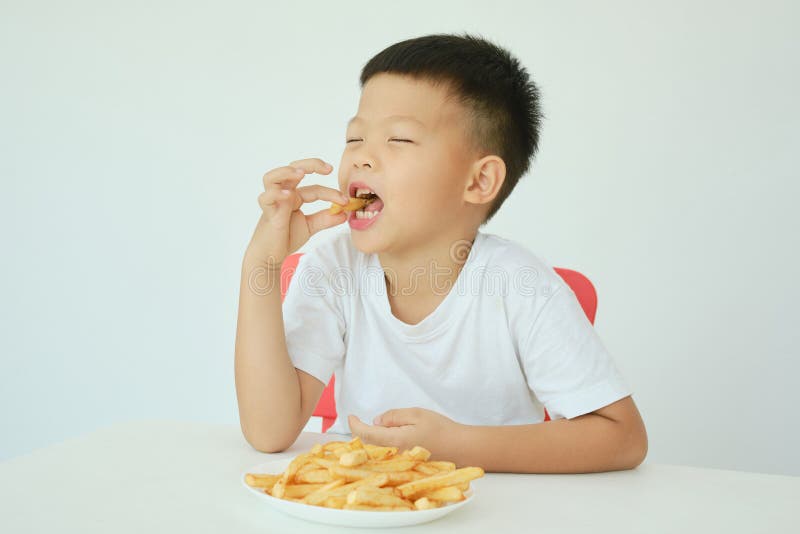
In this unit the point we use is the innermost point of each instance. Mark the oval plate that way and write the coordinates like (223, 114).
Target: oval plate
(346, 518)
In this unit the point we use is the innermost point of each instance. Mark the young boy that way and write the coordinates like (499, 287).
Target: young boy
(439, 334)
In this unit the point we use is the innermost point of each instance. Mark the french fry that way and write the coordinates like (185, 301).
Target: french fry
(426, 469)
(395, 477)
(335, 502)
(343, 490)
(351, 459)
(333, 444)
(314, 476)
(261, 481)
(446, 494)
(391, 465)
(375, 481)
(442, 466)
(353, 205)
(379, 453)
(341, 451)
(279, 489)
(403, 477)
(298, 491)
(433, 468)
(294, 466)
(318, 496)
(310, 466)
(423, 503)
(376, 508)
(356, 444)
(364, 495)
(465, 474)
(348, 473)
(419, 453)
(326, 462)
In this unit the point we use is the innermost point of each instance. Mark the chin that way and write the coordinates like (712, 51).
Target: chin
(367, 244)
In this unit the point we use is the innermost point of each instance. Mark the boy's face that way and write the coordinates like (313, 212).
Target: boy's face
(421, 183)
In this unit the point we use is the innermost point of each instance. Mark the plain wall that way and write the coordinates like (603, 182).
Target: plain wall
(133, 140)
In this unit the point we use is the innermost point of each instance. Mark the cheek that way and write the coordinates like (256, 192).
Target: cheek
(425, 188)
(430, 175)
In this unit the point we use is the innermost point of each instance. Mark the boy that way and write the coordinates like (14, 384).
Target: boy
(463, 338)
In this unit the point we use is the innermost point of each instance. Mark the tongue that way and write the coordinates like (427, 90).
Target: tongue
(375, 205)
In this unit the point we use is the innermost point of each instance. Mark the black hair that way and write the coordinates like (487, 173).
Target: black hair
(501, 100)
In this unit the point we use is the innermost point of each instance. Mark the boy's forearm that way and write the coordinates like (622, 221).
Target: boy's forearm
(586, 444)
(267, 387)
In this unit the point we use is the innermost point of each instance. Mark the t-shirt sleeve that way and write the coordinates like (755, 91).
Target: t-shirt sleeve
(313, 321)
(566, 364)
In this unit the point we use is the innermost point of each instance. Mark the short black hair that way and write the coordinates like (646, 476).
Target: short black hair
(491, 84)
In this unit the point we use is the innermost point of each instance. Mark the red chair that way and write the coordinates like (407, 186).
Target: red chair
(326, 407)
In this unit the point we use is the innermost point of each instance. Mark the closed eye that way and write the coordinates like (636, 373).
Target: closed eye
(393, 139)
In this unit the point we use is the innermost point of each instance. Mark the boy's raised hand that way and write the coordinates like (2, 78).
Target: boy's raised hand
(406, 427)
(283, 227)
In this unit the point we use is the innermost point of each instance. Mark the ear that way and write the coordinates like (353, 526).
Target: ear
(485, 180)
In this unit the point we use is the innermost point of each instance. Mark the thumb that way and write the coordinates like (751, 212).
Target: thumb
(324, 219)
(359, 428)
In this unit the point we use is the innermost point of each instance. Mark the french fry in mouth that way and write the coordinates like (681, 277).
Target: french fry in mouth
(354, 205)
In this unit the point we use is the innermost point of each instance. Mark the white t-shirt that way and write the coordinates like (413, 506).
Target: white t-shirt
(509, 338)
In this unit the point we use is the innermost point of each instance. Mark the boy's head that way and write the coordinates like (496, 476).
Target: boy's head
(471, 129)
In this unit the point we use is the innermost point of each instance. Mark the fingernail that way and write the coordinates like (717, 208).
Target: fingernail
(377, 420)
(284, 191)
(328, 166)
(298, 170)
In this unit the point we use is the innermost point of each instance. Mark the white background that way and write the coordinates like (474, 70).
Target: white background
(133, 139)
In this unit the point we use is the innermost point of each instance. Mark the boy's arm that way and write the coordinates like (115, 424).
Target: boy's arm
(267, 384)
(612, 438)
(276, 399)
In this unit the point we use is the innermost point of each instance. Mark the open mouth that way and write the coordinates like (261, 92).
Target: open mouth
(373, 206)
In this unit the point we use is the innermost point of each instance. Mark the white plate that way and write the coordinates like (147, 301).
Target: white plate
(346, 518)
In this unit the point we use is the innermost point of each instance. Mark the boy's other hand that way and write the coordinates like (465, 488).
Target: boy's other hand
(406, 427)
(283, 227)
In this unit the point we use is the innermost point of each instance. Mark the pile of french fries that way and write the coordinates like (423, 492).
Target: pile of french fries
(352, 475)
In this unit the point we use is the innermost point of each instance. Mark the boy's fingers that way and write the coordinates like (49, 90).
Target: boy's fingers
(279, 175)
(281, 183)
(398, 417)
(313, 165)
(310, 193)
(288, 176)
(270, 201)
(276, 199)
(271, 197)
(375, 435)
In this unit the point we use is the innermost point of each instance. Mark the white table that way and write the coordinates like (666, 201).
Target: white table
(165, 476)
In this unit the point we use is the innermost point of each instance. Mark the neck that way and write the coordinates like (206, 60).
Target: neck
(430, 268)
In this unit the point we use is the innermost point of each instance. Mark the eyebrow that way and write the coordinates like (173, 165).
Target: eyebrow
(391, 118)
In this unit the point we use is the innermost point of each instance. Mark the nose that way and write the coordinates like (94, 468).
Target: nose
(361, 158)
(362, 162)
